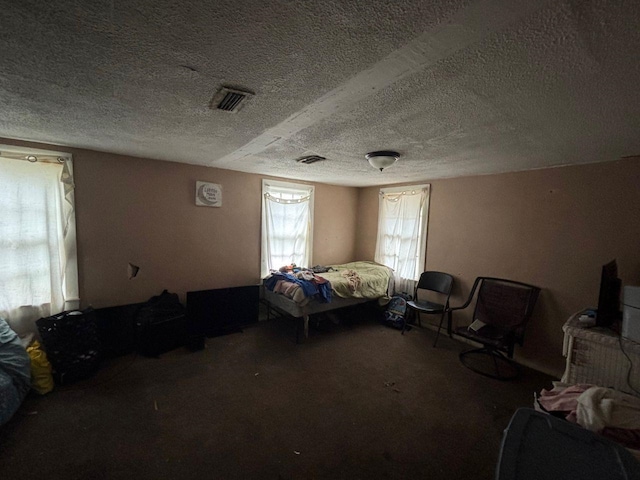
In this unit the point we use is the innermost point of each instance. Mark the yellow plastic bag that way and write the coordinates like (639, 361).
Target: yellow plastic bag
(41, 378)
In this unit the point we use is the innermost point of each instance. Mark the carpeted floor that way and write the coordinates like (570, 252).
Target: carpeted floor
(358, 400)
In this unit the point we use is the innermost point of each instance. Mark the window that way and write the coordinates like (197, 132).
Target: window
(287, 225)
(402, 233)
(38, 263)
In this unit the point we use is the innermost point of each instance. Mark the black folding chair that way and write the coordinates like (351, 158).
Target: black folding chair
(437, 282)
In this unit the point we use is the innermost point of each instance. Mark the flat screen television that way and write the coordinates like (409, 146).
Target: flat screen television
(609, 297)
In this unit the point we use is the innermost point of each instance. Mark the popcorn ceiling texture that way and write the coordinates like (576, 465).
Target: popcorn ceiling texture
(458, 87)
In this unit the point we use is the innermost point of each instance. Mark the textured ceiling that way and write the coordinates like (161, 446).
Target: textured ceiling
(457, 87)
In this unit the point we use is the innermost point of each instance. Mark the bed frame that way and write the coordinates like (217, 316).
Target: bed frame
(285, 305)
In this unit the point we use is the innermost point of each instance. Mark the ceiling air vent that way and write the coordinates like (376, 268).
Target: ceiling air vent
(309, 159)
(230, 100)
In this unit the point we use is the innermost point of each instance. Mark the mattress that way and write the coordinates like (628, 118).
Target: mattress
(359, 280)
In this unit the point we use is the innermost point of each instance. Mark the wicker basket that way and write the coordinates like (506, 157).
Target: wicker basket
(601, 357)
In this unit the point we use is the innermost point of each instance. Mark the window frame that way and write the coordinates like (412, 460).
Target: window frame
(301, 188)
(421, 253)
(22, 317)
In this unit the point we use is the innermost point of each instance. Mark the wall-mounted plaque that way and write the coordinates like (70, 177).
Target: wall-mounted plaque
(208, 194)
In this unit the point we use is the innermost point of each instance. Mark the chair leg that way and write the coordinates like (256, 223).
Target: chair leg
(439, 328)
(410, 318)
(406, 320)
(497, 357)
(495, 364)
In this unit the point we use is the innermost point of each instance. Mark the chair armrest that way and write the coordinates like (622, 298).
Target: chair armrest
(471, 294)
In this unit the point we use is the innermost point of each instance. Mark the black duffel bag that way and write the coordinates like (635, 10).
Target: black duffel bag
(160, 325)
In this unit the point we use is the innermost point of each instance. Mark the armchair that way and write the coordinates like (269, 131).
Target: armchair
(502, 310)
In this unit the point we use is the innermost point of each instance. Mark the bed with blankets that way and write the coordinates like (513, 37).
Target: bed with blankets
(304, 292)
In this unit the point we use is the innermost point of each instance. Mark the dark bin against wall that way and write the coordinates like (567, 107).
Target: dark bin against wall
(72, 345)
(116, 329)
(160, 334)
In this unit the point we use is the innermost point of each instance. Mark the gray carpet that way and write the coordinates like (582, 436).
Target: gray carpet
(358, 400)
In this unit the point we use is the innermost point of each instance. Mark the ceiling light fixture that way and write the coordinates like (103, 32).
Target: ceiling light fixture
(382, 159)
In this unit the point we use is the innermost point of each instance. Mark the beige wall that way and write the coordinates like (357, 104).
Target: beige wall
(553, 228)
(142, 211)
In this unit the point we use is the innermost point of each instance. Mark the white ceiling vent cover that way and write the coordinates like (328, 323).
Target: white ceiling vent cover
(230, 100)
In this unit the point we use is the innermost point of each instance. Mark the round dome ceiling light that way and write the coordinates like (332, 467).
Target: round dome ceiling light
(382, 159)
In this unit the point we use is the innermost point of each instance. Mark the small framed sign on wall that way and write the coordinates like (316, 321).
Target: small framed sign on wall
(208, 194)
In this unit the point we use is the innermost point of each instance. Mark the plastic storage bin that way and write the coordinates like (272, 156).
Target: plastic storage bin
(538, 446)
(72, 345)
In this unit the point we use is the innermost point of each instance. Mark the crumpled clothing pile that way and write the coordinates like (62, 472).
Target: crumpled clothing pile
(613, 414)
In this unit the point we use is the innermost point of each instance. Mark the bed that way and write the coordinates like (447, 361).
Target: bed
(350, 284)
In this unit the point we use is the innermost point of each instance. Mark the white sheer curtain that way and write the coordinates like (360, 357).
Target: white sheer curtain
(402, 233)
(287, 225)
(38, 261)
